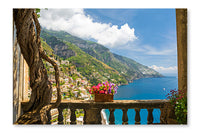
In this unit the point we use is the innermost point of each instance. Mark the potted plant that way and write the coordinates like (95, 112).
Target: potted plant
(178, 100)
(104, 92)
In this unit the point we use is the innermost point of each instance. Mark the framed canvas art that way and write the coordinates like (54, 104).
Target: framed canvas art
(86, 66)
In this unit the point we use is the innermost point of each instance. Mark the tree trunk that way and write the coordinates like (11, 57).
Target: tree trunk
(28, 38)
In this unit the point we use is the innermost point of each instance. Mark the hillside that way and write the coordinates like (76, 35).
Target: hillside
(94, 70)
(128, 68)
(140, 70)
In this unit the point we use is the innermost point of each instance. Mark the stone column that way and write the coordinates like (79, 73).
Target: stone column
(181, 28)
(21, 83)
(26, 82)
(20, 72)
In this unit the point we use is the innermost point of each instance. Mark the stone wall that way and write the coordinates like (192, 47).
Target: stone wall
(20, 79)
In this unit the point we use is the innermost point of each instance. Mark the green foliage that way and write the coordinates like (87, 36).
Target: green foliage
(37, 10)
(91, 68)
(179, 101)
(79, 112)
(70, 94)
(54, 84)
(75, 76)
(181, 110)
(46, 47)
(62, 83)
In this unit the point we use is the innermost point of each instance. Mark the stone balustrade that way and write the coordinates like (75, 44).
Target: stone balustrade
(92, 110)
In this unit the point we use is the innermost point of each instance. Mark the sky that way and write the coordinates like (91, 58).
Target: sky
(146, 35)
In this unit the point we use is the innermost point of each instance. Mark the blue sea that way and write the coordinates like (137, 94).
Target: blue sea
(143, 89)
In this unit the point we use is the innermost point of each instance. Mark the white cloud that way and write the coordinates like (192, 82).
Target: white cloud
(149, 50)
(76, 22)
(162, 69)
(167, 49)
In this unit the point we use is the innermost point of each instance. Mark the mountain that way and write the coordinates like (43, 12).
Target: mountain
(91, 68)
(126, 67)
(137, 69)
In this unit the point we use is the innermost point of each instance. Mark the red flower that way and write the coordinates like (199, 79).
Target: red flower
(101, 91)
(90, 91)
(97, 87)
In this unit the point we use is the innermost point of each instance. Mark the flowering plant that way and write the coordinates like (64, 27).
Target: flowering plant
(104, 88)
(178, 100)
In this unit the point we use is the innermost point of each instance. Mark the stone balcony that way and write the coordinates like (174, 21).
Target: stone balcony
(92, 110)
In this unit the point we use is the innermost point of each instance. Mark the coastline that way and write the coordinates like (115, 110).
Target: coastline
(144, 88)
(150, 76)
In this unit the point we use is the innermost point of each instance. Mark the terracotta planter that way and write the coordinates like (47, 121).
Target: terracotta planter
(103, 97)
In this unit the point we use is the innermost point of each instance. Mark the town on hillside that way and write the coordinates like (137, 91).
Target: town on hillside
(73, 87)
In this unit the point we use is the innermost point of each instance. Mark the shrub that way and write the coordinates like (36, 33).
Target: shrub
(179, 102)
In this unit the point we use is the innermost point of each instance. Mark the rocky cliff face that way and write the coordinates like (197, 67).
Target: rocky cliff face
(63, 51)
(58, 46)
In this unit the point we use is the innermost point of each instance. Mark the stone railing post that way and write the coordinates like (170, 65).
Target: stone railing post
(73, 116)
(125, 117)
(60, 115)
(137, 116)
(150, 116)
(112, 116)
(85, 116)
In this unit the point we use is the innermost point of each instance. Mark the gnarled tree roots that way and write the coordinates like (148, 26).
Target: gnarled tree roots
(28, 38)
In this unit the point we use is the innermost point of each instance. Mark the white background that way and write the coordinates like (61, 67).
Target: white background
(6, 63)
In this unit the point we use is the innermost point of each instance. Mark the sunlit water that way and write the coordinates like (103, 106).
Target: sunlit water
(143, 89)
